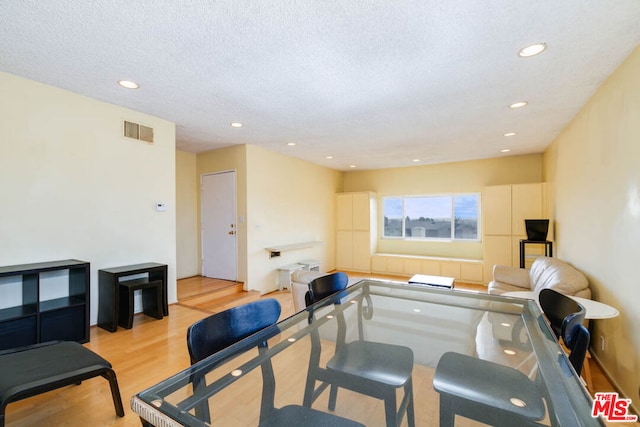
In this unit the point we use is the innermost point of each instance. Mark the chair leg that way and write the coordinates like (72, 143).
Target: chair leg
(447, 415)
(110, 376)
(314, 366)
(390, 409)
(408, 392)
(145, 423)
(333, 396)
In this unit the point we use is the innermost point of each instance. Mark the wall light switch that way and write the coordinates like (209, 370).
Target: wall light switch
(161, 207)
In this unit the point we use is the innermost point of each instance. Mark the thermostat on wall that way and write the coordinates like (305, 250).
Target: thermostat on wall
(161, 207)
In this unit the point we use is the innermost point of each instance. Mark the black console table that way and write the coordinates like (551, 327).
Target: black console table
(109, 284)
(64, 317)
(548, 248)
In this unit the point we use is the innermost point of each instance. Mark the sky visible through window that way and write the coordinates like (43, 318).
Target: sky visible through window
(437, 207)
(466, 206)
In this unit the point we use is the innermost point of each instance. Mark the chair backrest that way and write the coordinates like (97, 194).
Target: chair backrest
(220, 330)
(324, 286)
(576, 337)
(566, 317)
(557, 307)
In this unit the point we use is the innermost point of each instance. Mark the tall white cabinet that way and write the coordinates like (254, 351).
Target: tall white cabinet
(504, 209)
(357, 232)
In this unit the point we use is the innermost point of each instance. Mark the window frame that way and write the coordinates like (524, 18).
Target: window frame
(452, 238)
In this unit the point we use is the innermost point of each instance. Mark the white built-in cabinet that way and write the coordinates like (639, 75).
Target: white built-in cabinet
(504, 209)
(356, 233)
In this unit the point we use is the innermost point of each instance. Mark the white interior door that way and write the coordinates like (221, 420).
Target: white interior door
(218, 212)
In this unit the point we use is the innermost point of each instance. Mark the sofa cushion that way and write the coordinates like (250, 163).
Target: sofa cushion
(304, 276)
(518, 277)
(558, 275)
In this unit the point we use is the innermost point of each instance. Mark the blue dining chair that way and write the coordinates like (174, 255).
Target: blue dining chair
(370, 368)
(221, 330)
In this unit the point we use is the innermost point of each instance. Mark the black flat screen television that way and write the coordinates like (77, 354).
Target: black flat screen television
(537, 229)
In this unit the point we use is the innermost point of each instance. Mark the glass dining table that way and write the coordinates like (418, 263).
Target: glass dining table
(246, 382)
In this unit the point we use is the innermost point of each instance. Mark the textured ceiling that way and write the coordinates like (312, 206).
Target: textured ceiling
(371, 83)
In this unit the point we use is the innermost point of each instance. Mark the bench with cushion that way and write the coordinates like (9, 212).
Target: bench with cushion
(32, 370)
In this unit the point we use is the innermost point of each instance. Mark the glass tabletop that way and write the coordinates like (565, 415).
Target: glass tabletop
(270, 369)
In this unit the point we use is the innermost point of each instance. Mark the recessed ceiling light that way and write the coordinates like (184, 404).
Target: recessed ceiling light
(291, 144)
(518, 104)
(352, 166)
(509, 352)
(416, 160)
(128, 84)
(511, 134)
(329, 157)
(505, 150)
(236, 124)
(532, 50)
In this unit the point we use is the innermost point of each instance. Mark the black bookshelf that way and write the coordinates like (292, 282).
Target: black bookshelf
(34, 320)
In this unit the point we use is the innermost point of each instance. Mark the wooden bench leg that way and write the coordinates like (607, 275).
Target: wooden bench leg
(110, 376)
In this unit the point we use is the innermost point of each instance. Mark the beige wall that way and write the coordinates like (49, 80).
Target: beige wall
(72, 187)
(288, 201)
(459, 177)
(594, 171)
(186, 215)
(280, 200)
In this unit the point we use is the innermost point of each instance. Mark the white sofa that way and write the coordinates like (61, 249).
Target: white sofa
(545, 272)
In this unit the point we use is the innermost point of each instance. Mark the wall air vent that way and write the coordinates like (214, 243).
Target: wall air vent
(137, 131)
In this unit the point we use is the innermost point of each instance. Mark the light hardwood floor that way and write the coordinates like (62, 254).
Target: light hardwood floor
(146, 354)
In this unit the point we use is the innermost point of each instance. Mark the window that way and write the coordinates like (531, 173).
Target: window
(450, 217)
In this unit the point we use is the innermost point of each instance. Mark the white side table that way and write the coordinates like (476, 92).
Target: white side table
(593, 309)
(284, 275)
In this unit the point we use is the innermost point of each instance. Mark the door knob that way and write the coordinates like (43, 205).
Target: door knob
(232, 232)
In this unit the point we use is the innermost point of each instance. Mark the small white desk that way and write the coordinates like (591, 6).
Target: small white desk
(284, 275)
(310, 264)
(593, 309)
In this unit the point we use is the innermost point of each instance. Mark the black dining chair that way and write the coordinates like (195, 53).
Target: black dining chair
(499, 395)
(221, 330)
(487, 392)
(370, 368)
(566, 318)
(556, 307)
